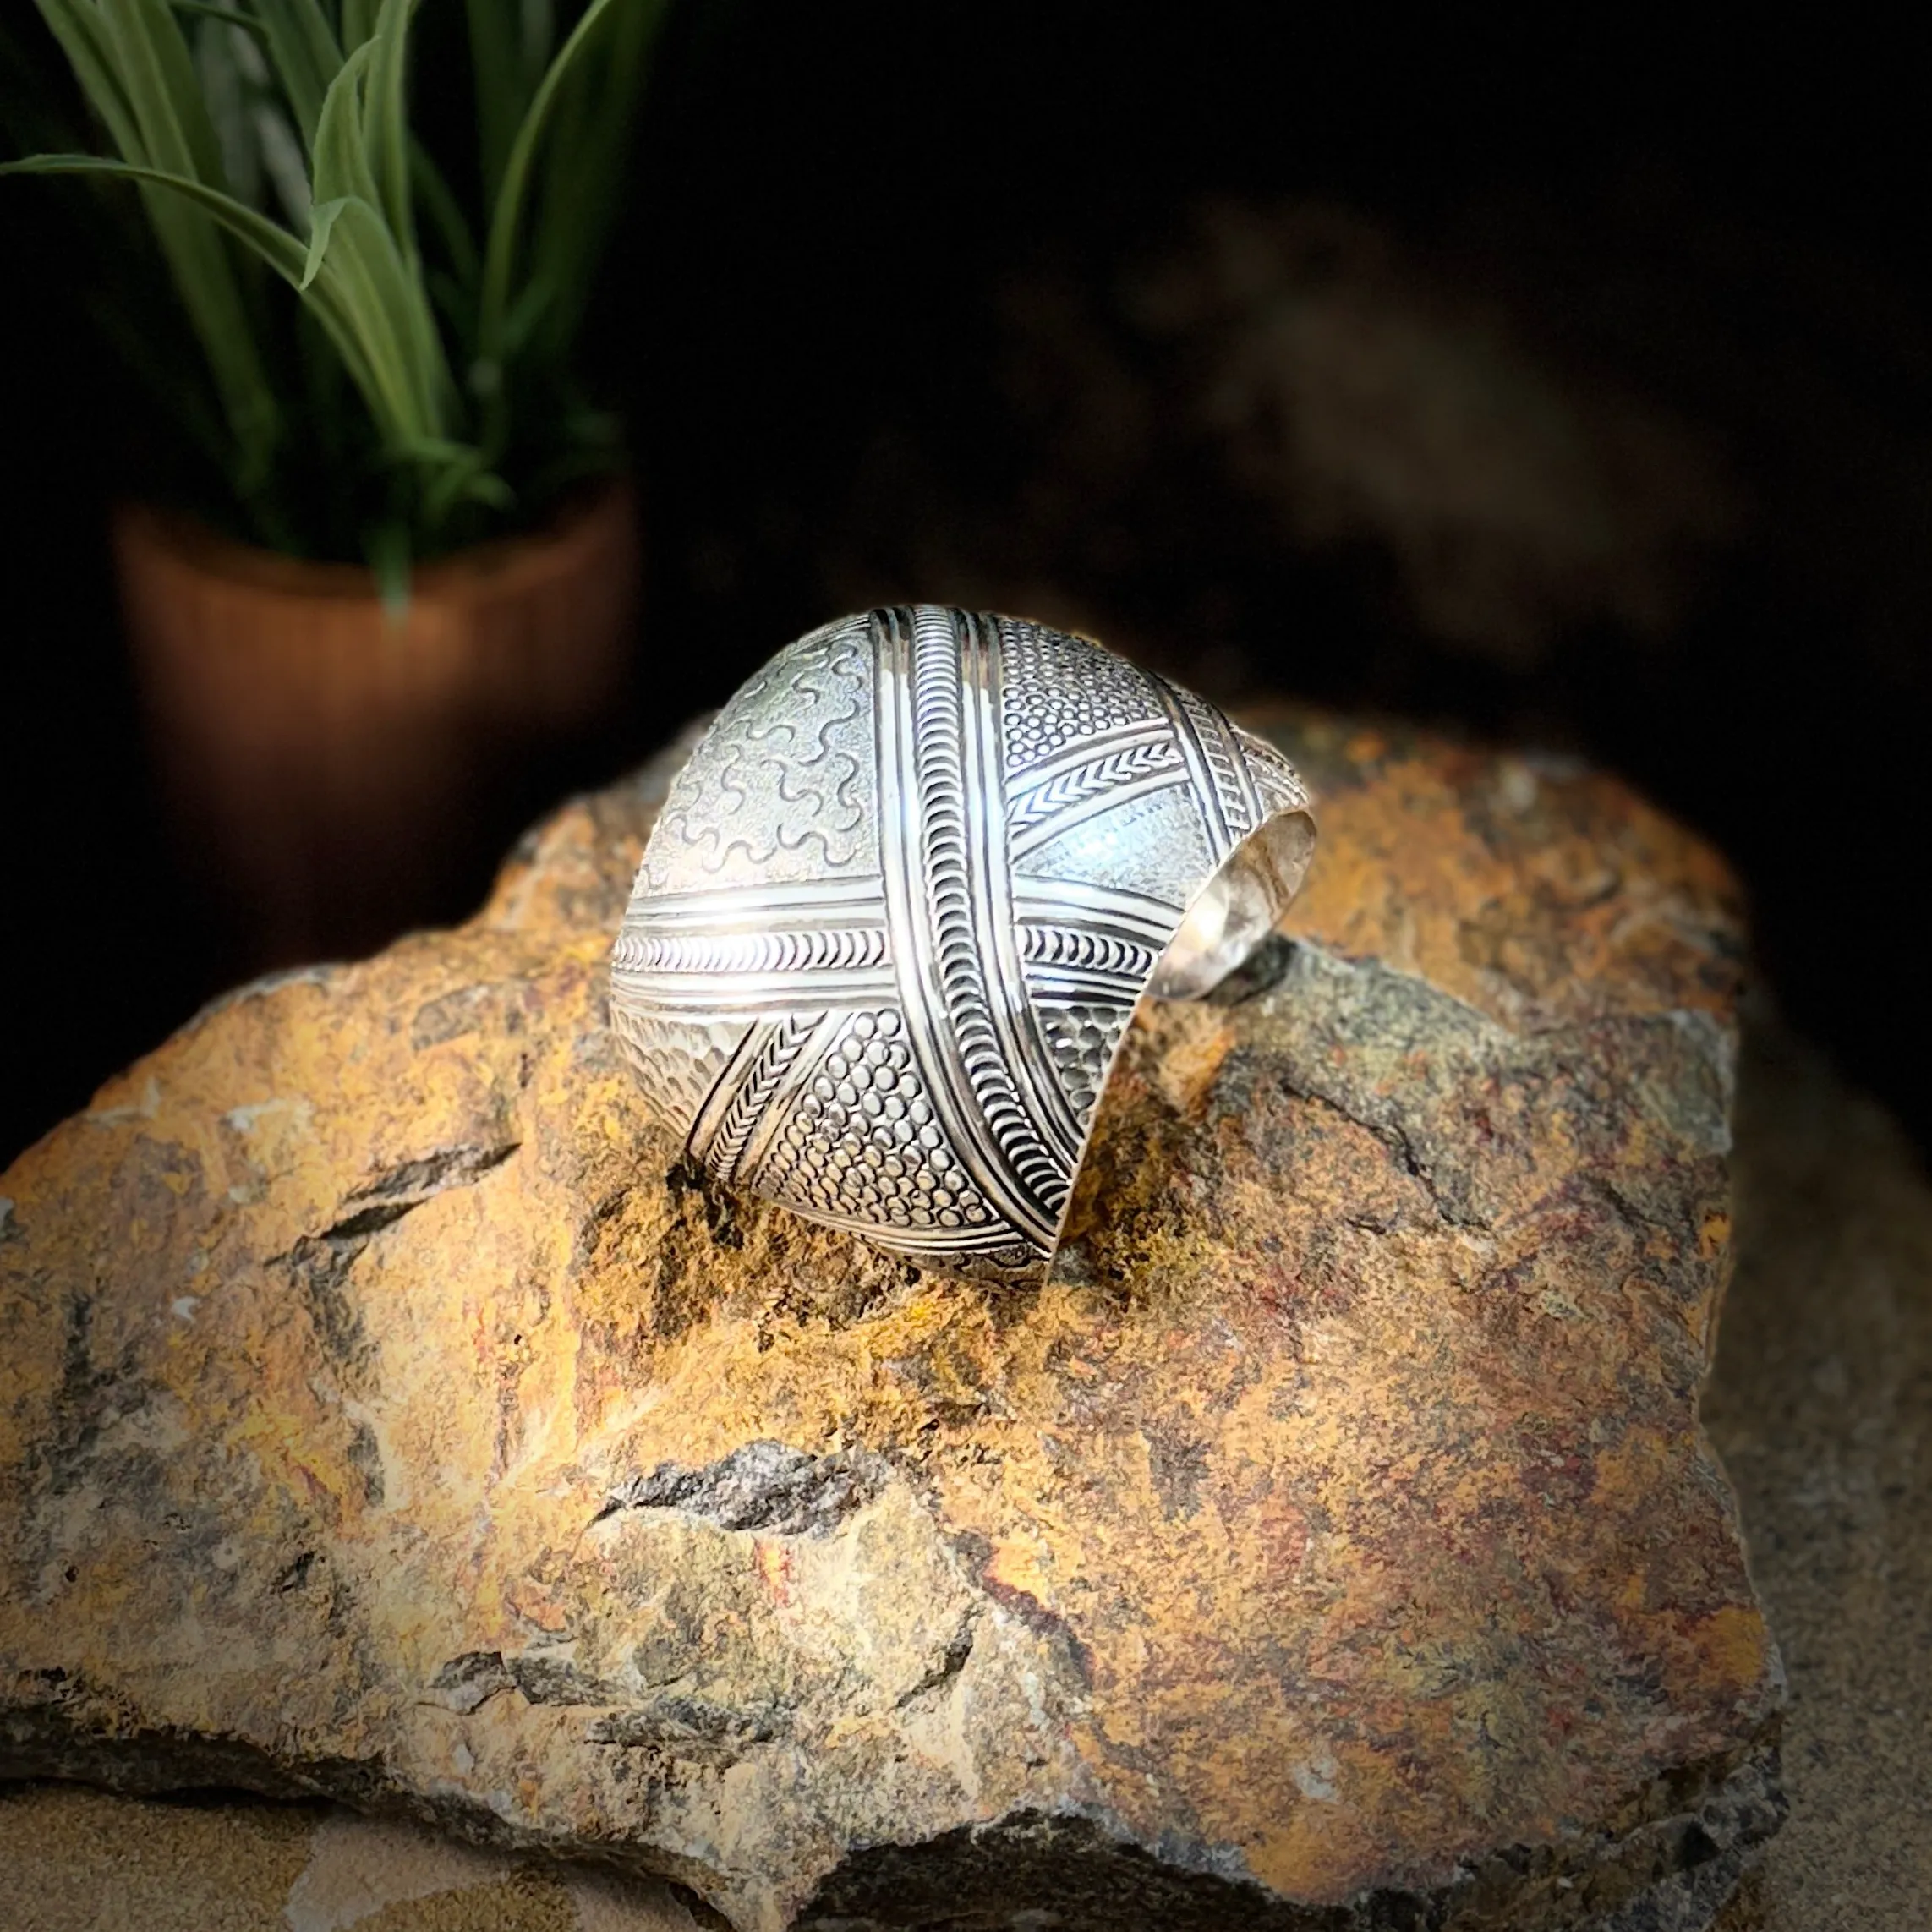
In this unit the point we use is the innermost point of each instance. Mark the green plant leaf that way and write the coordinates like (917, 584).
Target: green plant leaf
(282, 161)
(204, 138)
(388, 551)
(510, 43)
(525, 312)
(158, 74)
(274, 245)
(490, 490)
(573, 465)
(385, 290)
(351, 314)
(502, 92)
(307, 56)
(77, 25)
(357, 279)
(578, 192)
(135, 69)
(537, 22)
(455, 303)
(461, 477)
(342, 166)
(321, 220)
(227, 15)
(579, 186)
(228, 95)
(362, 273)
(445, 215)
(507, 217)
(386, 124)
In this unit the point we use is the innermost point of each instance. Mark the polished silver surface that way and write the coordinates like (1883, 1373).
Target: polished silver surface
(897, 910)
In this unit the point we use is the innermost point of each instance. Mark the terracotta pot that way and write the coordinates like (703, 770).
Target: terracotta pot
(326, 762)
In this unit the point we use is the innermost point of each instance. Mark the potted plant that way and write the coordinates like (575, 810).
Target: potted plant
(411, 555)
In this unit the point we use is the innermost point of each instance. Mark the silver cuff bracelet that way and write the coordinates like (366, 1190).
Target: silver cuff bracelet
(899, 907)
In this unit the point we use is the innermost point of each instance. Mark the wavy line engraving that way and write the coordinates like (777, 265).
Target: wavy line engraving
(785, 775)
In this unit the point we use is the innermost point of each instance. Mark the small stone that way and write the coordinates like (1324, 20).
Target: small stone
(1332, 1541)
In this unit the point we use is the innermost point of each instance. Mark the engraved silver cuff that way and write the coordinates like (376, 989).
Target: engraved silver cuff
(897, 910)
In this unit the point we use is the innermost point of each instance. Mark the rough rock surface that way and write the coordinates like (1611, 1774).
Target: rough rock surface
(385, 1414)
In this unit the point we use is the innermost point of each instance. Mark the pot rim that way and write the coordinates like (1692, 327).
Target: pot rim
(586, 520)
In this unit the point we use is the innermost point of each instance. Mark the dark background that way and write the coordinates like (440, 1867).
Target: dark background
(810, 321)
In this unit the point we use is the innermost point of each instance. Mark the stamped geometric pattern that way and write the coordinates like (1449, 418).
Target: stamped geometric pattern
(862, 1145)
(1081, 1039)
(894, 917)
(1058, 691)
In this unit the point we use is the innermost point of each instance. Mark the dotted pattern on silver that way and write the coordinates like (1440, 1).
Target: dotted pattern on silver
(897, 910)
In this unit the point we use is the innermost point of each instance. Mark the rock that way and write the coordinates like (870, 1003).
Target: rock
(385, 1414)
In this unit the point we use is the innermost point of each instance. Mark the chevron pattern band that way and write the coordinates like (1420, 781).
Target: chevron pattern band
(897, 910)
